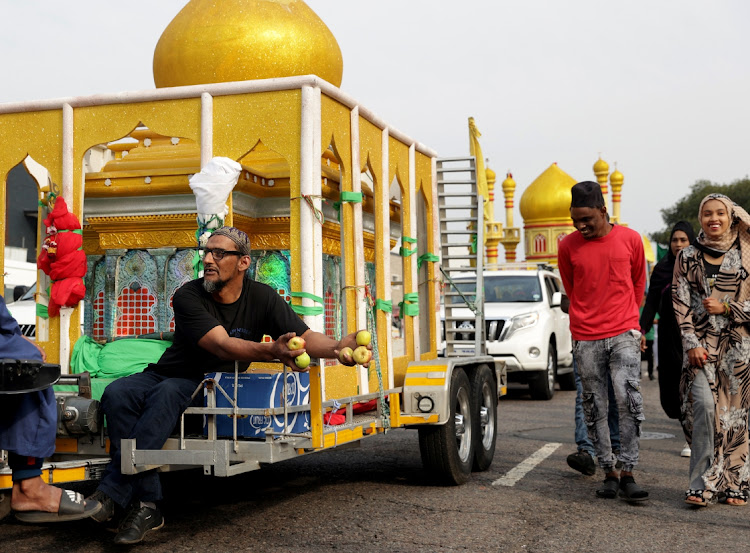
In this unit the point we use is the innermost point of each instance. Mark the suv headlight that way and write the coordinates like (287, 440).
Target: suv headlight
(520, 322)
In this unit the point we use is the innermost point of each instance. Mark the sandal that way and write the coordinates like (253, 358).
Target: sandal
(630, 491)
(609, 490)
(695, 493)
(733, 494)
(72, 507)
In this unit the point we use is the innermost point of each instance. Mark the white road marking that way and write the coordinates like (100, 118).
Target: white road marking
(525, 466)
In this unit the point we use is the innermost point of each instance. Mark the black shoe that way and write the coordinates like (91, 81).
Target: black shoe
(582, 462)
(108, 506)
(136, 523)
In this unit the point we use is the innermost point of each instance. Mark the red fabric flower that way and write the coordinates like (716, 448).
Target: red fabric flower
(63, 259)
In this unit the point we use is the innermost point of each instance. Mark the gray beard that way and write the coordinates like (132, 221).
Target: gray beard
(211, 286)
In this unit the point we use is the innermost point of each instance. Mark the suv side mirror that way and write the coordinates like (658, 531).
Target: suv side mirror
(556, 299)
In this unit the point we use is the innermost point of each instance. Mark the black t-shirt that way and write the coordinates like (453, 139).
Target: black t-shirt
(712, 271)
(258, 311)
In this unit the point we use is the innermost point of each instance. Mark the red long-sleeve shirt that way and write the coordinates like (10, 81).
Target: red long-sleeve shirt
(605, 279)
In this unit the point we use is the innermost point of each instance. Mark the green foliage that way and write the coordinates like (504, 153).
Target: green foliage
(686, 208)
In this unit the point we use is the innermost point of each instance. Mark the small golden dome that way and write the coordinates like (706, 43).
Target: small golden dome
(601, 166)
(490, 174)
(616, 178)
(548, 197)
(509, 184)
(238, 40)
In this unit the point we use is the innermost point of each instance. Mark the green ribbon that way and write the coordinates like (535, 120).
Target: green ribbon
(406, 252)
(352, 197)
(337, 207)
(383, 305)
(474, 243)
(431, 257)
(75, 231)
(305, 309)
(410, 305)
(42, 311)
(197, 264)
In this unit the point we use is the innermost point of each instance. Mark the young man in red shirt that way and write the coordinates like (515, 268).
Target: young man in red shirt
(603, 269)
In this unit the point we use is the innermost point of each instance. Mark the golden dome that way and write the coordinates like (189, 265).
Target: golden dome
(509, 185)
(491, 176)
(548, 197)
(601, 166)
(238, 40)
(616, 178)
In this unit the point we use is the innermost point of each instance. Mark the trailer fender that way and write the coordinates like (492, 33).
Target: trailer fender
(427, 387)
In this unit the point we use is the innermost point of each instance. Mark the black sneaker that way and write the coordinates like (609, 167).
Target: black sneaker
(107, 511)
(582, 462)
(136, 523)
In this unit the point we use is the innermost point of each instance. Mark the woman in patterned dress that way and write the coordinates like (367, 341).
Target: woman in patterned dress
(711, 298)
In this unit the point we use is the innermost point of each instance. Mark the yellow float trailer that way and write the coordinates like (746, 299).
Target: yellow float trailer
(327, 191)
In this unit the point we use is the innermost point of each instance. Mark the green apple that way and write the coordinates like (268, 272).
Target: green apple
(345, 351)
(302, 360)
(363, 338)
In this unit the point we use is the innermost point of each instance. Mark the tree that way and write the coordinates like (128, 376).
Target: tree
(686, 208)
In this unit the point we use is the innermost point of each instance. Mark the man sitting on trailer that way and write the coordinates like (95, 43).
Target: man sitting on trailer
(28, 426)
(219, 319)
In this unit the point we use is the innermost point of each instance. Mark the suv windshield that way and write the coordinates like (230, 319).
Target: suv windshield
(29, 295)
(504, 288)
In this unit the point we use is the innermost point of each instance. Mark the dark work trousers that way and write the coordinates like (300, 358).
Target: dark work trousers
(146, 407)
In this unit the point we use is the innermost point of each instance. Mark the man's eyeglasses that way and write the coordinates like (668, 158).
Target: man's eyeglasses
(218, 254)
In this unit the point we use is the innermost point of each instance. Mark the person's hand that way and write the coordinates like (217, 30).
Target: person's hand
(713, 306)
(697, 356)
(349, 341)
(281, 351)
(643, 342)
(37, 346)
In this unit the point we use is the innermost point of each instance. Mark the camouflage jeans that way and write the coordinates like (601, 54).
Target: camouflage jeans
(620, 356)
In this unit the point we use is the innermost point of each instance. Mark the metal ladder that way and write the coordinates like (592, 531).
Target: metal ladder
(461, 215)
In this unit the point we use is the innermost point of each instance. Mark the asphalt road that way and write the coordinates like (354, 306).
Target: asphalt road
(376, 498)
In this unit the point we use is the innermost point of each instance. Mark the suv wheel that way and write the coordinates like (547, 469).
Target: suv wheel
(543, 386)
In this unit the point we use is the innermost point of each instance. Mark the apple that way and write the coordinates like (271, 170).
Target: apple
(302, 360)
(362, 355)
(295, 343)
(363, 338)
(345, 351)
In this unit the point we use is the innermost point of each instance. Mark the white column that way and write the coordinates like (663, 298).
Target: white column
(310, 233)
(67, 194)
(412, 259)
(385, 237)
(207, 128)
(359, 244)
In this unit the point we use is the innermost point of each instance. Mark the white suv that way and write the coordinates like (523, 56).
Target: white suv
(525, 327)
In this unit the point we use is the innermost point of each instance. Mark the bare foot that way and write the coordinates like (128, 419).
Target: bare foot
(33, 494)
(736, 501)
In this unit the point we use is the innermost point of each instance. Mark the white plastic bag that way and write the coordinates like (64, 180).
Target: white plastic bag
(213, 185)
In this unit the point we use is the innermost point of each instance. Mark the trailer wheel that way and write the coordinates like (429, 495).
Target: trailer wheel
(448, 450)
(484, 400)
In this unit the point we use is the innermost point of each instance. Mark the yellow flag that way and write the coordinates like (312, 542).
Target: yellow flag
(476, 150)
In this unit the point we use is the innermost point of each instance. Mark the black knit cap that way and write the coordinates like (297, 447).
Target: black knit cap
(586, 194)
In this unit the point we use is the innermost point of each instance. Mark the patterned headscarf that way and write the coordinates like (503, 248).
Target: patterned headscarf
(739, 226)
(736, 215)
(237, 236)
